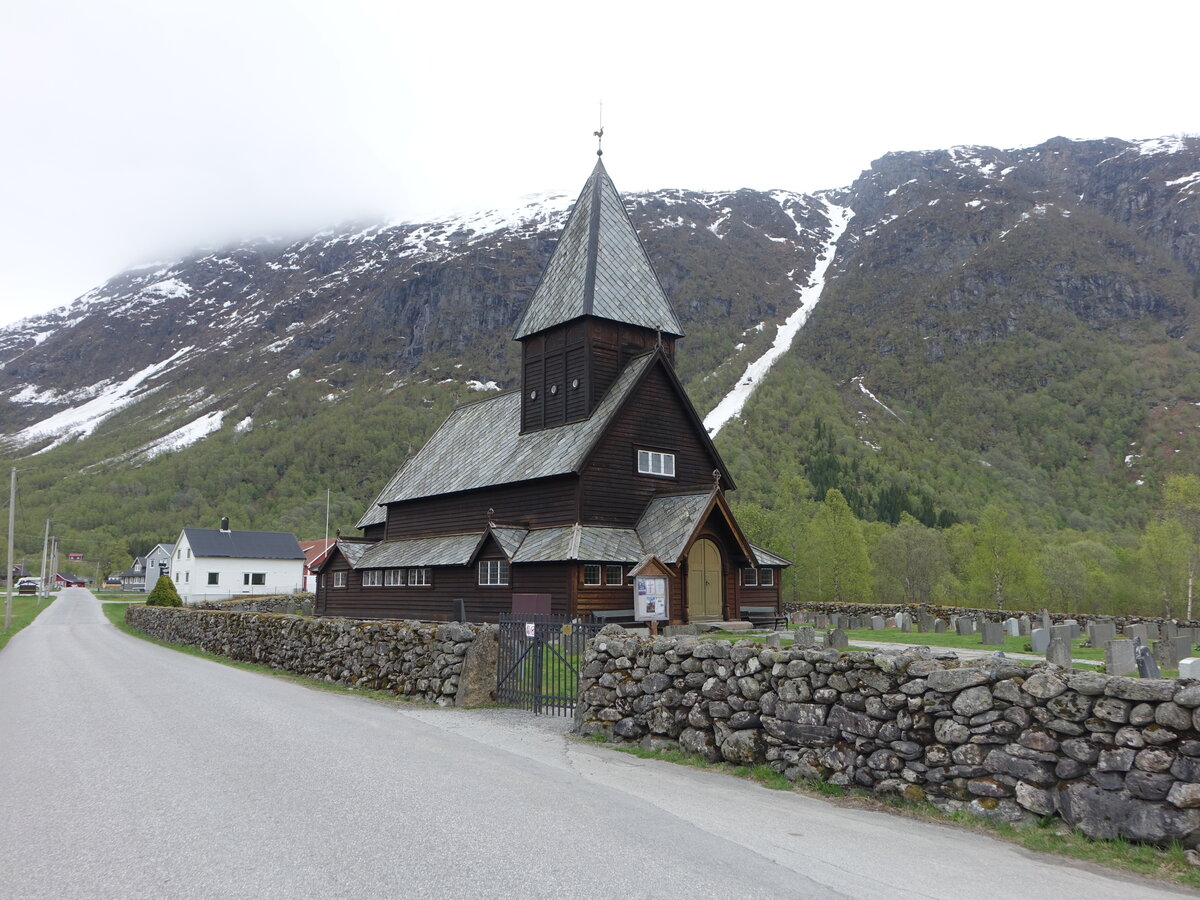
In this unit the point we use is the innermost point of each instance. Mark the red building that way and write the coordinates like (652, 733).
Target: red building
(596, 468)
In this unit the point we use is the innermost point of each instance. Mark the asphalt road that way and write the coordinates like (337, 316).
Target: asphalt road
(128, 771)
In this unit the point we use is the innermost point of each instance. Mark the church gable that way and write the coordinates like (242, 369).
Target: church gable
(654, 445)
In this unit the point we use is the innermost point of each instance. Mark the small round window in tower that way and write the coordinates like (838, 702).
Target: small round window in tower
(533, 395)
(554, 389)
(574, 383)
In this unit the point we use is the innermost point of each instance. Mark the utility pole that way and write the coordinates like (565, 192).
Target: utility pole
(326, 515)
(45, 591)
(53, 560)
(12, 506)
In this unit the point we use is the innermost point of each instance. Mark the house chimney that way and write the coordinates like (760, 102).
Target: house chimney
(225, 523)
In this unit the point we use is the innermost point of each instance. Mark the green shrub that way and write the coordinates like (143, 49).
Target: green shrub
(164, 593)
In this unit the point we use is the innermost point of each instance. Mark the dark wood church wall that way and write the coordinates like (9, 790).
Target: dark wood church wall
(435, 603)
(531, 504)
(613, 493)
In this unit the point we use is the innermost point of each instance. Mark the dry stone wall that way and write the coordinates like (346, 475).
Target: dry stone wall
(291, 604)
(1112, 756)
(447, 663)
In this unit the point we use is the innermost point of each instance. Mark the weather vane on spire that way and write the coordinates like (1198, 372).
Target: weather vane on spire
(600, 134)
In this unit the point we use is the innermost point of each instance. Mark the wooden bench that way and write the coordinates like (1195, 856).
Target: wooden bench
(614, 616)
(764, 617)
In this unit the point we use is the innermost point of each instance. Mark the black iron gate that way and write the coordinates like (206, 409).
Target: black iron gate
(539, 661)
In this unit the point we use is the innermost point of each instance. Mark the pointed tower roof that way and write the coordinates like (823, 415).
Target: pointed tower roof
(599, 268)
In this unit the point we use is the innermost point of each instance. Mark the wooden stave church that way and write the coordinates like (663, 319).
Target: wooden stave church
(597, 468)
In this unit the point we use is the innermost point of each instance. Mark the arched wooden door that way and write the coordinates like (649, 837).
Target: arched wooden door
(705, 582)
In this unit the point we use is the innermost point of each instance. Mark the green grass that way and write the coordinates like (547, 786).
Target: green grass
(962, 641)
(115, 611)
(25, 608)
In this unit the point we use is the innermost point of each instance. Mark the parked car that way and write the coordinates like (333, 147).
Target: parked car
(28, 586)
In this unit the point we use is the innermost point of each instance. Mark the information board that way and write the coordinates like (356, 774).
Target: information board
(650, 598)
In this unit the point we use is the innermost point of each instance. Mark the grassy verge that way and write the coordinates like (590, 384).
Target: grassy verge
(1047, 835)
(115, 611)
(25, 608)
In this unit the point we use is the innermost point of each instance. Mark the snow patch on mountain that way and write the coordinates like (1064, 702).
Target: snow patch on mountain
(184, 436)
(80, 421)
(732, 404)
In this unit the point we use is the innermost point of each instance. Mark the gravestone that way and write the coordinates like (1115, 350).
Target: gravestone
(822, 620)
(1062, 632)
(1025, 624)
(964, 625)
(835, 620)
(1170, 630)
(1012, 627)
(1182, 646)
(1059, 650)
(1118, 658)
(924, 622)
(1046, 623)
(1152, 631)
(772, 639)
(1074, 628)
(1189, 667)
(1039, 640)
(939, 626)
(1165, 654)
(836, 640)
(980, 621)
(993, 633)
(804, 637)
(1133, 632)
(877, 623)
(1100, 633)
(891, 623)
(1146, 666)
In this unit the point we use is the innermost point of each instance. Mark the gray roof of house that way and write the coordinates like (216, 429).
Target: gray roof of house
(767, 558)
(599, 268)
(663, 532)
(447, 550)
(580, 542)
(481, 444)
(212, 542)
(669, 521)
(352, 550)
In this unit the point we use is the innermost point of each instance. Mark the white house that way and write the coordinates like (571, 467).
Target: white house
(216, 563)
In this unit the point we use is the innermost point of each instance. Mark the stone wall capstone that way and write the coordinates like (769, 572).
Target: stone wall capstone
(440, 662)
(1113, 756)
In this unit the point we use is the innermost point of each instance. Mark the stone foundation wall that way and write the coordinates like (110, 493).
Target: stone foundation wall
(1112, 756)
(945, 612)
(445, 662)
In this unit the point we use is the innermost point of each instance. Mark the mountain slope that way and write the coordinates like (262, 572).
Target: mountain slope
(996, 326)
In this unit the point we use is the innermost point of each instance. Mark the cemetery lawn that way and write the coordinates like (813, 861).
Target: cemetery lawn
(963, 641)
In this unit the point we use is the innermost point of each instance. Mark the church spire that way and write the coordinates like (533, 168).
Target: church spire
(599, 268)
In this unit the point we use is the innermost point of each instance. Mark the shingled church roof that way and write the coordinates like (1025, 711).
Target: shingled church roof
(599, 268)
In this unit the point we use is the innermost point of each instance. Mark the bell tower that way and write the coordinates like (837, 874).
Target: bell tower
(598, 305)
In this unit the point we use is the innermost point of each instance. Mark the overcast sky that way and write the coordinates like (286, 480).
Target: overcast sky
(137, 130)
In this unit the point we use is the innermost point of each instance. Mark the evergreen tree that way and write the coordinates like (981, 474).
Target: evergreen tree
(164, 593)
